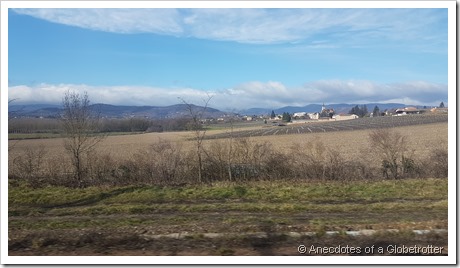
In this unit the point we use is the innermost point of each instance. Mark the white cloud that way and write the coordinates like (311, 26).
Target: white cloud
(275, 95)
(260, 25)
(270, 94)
(119, 95)
(160, 21)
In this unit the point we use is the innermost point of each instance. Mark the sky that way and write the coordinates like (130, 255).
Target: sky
(243, 58)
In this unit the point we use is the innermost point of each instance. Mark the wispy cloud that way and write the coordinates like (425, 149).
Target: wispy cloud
(270, 94)
(262, 26)
(125, 21)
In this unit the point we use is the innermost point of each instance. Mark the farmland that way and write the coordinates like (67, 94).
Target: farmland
(357, 124)
(260, 215)
(423, 135)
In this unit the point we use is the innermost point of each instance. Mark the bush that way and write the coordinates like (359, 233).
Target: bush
(167, 163)
(101, 169)
(391, 148)
(30, 165)
(438, 161)
(160, 164)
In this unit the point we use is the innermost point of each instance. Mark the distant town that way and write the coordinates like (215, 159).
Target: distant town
(329, 114)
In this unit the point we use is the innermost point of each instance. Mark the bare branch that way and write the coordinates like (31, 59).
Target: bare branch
(200, 132)
(80, 127)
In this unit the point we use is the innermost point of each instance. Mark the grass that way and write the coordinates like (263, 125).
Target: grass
(28, 136)
(227, 204)
(329, 192)
(35, 136)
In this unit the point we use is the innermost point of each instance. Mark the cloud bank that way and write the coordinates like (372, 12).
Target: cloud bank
(262, 26)
(269, 94)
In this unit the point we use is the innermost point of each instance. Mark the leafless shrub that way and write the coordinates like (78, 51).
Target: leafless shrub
(243, 160)
(131, 171)
(309, 160)
(439, 159)
(30, 165)
(278, 166)
(101, 169)
(160, 164)
(197, 115)
(391, 148)
(167, 161)
(336, 166)
(58, 171)
(217, 161)
(314, 161)
(436, 163)
(251, 158)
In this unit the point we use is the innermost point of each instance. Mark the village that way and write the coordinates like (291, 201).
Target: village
(329, 114)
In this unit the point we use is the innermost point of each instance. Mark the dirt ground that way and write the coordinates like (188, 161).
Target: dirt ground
(212, 234)
(126, 243)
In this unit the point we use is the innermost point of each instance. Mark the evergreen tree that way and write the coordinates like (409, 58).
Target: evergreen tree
(376, 111)
(441, 105)
(359, 111)
(354, 110)
(272, 115)
(364, 111)
(286, 117)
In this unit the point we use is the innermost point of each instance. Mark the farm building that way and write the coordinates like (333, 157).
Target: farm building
(408, 110)
(344, 117)
(298, 115)
(439, 110)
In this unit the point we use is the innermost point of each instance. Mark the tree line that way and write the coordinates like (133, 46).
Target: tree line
(135, 124)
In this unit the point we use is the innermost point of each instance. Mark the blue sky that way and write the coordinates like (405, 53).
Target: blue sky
(243, 57)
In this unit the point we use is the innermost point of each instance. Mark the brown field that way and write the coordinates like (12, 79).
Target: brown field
(421, 139)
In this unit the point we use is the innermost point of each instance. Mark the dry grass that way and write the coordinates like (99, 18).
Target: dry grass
(421, 139)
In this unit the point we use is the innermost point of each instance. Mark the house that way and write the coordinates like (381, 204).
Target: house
(314, 116)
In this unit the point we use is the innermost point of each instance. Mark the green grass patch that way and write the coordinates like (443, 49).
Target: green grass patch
(229, 204)
(225, 207)
(329, 192)
(30, 136)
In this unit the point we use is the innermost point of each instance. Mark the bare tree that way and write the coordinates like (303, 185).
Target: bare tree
(230, 150)
(391, 146)
(197, 114)
(80, 127)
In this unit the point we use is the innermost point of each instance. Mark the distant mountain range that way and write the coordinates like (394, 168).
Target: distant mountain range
(115, 111)
(181, 110)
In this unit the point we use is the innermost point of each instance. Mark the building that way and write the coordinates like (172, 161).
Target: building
(407, 110)
(339, 117)
(299, 115)
(439, 110)
(314, 116)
